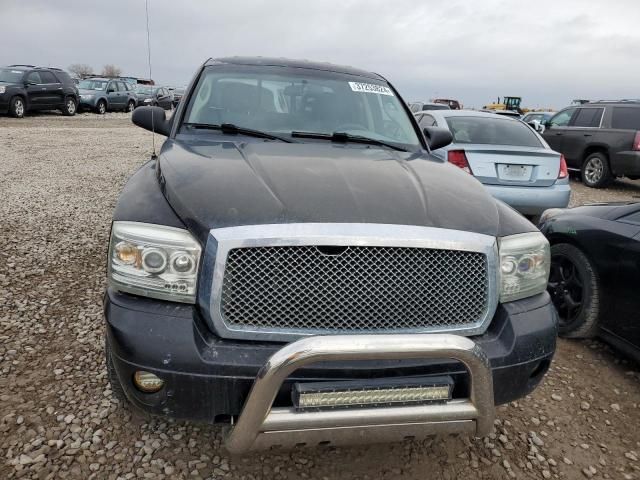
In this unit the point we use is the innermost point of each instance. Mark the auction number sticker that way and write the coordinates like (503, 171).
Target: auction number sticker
(371, 88)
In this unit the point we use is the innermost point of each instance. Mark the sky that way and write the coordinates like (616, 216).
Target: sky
(546, 51)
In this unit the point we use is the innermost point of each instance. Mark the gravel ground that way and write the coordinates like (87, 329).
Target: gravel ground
(59, 180)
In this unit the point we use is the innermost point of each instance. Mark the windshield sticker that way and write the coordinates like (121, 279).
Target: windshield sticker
(370, 88)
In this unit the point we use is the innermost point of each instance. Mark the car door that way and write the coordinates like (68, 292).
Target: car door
(557, 127)
(36, 92)
(54, 94)
(113, 96)
(164, 99)
(583, 126)
(622, 317)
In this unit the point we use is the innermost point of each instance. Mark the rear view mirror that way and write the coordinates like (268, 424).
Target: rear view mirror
(437, 137)
(153, 119)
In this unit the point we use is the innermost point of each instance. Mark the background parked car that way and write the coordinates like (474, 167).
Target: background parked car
(177, 93)
(103, 94)
(154, 96)
(595, 253)
(423, 106)
(538, 120)
(26, 88)
(513, 162)
(452, 104)
(599, 139)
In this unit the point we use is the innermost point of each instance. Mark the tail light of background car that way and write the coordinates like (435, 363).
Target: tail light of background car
(564, 171)
(459, 159)
(636, 142)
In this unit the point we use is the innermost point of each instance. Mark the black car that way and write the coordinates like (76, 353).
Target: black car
(595, 271)
(601, 140)
(25, 88)
(295, 257)
(153, 95)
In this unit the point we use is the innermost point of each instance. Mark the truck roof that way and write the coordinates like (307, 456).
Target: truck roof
(285, 62)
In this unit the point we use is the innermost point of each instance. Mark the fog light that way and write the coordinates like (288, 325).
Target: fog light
(356, 394)
(147, 382)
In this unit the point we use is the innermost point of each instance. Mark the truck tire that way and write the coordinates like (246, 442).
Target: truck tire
(70, 107)
(101, 107)
(17, 107)
(575, 290)
(595, 170)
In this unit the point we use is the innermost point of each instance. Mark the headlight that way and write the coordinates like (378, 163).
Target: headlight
(87, 97)
(3, 89)
(154, 261)
(524, 265)
(147, 100)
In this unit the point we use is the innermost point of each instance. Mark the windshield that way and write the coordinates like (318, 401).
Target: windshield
(10, 76)
(93, 84)
(283, 100)
(492, 131)
(144, 90)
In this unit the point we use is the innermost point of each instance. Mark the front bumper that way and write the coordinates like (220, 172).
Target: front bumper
(209, 379)
(88, 103)
(533, 200)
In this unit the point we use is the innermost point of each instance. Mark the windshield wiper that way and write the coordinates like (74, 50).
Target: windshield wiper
(232, 129)
(346, 137)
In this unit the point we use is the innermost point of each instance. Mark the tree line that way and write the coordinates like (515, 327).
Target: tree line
(82, 70)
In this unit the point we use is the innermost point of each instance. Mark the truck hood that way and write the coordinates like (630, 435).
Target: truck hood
(222, 184)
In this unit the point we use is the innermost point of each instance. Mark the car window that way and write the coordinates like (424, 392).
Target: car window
(627, 118)
(415, 107)
(427, 121)
(10, 76)
(112, 86)
(587, 117)
(48, 77)
(285, 100)
(122, 86)
(34, 77)
(93, 84)
(492, 131)
(562, 118)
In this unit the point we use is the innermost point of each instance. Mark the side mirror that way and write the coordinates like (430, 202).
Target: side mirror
(153, 119)
(437, 137)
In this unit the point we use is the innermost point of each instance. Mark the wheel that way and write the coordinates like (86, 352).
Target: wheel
(17, 107)
(114, 381)
(70, 107)
(595, 171)
(575, 291)
(131, 106)
(101, 107)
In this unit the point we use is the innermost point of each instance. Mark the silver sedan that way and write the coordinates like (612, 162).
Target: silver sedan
(506, 155)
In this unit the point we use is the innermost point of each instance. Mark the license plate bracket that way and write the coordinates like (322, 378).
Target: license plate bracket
(514, 172)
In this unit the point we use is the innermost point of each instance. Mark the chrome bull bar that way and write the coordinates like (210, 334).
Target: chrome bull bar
(261, 426)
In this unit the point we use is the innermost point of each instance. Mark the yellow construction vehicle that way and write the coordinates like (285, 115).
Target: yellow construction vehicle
(507, 103)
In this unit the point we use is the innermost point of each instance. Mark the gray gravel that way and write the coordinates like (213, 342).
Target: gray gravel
(59, 179)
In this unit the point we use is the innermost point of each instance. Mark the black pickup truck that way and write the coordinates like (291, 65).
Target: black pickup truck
(601, 140)
(297, 265)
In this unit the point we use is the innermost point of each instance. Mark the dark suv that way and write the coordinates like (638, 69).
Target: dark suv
(296, 264)
(599, 139)
(26, 88)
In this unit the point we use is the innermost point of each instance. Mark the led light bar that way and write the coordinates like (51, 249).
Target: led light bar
(375, 393)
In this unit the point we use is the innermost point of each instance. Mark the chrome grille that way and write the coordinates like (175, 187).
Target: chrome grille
(353, 288)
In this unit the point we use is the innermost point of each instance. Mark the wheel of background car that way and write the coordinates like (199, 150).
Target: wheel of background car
(131, 106)
(17, 107)
(575, 291)
(101, 107)
(595, 171)
(70, 107)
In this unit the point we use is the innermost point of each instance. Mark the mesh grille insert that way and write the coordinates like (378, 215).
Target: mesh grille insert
(354, 288)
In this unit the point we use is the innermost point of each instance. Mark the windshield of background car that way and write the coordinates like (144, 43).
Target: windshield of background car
(144, 90)
(492, 131)
(93, 84)
(282, 100)
(10, 76)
